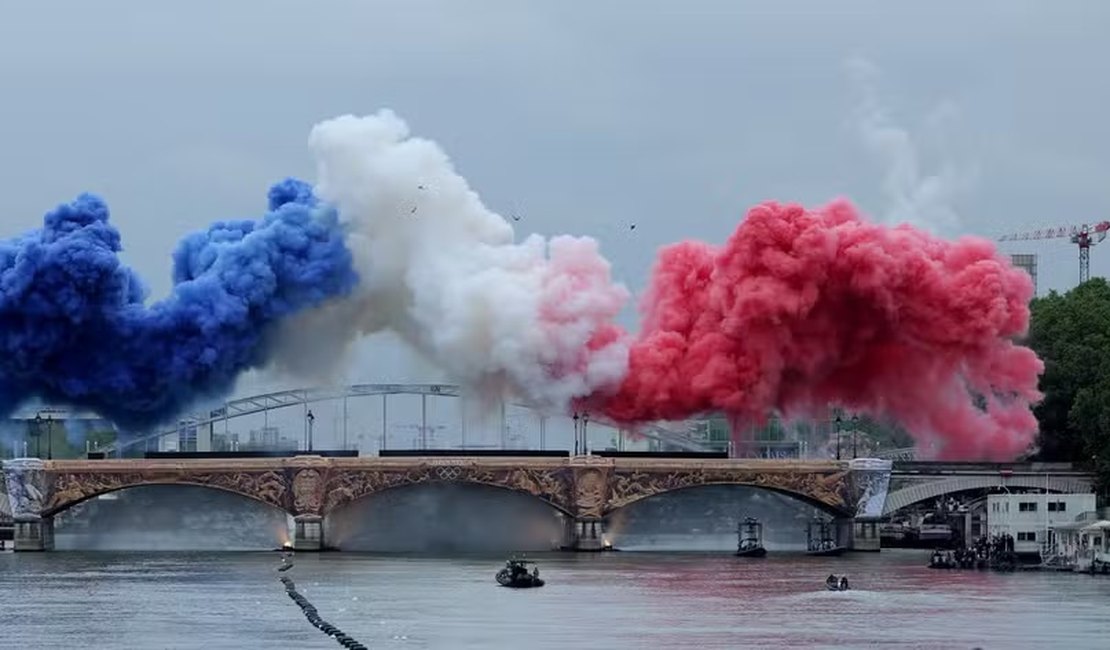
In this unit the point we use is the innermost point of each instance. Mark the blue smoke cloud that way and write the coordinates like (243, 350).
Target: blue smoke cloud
(75, 327)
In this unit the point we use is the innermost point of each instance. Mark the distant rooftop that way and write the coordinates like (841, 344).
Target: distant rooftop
(55, 412)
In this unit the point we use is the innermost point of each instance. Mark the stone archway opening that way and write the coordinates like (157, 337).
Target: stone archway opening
(446, 517)
(170, 517)
(705, 517)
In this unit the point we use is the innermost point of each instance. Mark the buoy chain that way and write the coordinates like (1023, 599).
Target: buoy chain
(313, 617)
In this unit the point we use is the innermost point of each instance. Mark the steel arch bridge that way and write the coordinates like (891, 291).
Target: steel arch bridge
(266, 402)
(903, 453)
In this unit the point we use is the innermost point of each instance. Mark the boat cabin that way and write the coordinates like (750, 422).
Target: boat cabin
(749, 534)
(822, 536)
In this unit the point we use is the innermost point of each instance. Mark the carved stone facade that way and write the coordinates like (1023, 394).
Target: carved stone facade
(67, 483)
(546, 481)
(587, 488)
(822, 484)
(26, 488)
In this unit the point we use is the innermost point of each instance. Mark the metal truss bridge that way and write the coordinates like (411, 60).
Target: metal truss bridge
(302, 397)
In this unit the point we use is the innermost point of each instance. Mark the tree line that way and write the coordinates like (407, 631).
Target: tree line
(1070, 332)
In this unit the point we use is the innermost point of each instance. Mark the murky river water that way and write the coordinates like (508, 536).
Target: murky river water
(617, 600)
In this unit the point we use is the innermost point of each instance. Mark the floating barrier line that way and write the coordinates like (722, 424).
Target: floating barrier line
(314, 617)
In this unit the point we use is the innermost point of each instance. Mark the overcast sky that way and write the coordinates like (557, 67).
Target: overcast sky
(977, 117)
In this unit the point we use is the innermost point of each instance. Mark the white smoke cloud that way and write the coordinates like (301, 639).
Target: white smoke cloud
(443, 271)
(914, 197)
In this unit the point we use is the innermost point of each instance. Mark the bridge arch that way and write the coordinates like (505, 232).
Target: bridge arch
(447, 516)
(340, 505)
(552, 485)
(70, 490)
(801, 497)
(912, 494)
(827, 486)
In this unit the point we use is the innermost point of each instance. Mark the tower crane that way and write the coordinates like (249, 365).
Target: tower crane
(1084, 236)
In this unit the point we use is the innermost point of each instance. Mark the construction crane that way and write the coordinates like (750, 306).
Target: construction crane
(1084, 236)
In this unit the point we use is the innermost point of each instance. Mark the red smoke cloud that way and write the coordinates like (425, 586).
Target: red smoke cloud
(801, 309)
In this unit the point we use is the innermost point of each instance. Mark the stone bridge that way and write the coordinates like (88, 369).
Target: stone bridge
(586, 489)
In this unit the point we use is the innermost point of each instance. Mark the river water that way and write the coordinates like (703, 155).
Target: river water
(615, 600)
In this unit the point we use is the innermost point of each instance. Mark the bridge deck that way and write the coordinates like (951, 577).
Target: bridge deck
(937, 468)
(400, 462)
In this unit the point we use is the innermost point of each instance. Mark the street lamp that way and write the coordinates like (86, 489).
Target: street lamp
(37, 433)
(311, 418)
(585, 445)
(837, 421)
(576, 433)
(855, 433)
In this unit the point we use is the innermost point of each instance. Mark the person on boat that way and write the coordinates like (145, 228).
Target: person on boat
(844, 583)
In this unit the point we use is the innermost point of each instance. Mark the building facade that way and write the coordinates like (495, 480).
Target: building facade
(1084, 544)
(58, 432)
(1031, 518)
(1028, 263)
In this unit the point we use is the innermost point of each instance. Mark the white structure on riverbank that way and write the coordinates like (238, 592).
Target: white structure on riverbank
(1083, 544)
(1031, 518)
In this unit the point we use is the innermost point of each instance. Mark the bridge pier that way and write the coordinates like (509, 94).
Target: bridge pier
(588, 534)
(308, 533)
(34, 534)
(864, 535)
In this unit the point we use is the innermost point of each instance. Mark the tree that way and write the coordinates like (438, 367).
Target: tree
(101, 438)
(1071, 334)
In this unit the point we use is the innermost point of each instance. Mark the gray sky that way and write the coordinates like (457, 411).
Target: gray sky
(675, 116)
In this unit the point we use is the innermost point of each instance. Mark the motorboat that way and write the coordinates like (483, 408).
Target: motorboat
(519, 574)
(832, 583)
(750, 539)
(751, 551)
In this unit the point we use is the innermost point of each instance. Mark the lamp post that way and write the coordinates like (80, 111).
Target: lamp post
(855, 433)
(49, 437)
(837, 422)
(585, 444)
(37, 434)
(311, 418)
(576, 434)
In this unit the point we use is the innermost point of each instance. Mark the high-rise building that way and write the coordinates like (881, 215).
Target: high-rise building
(187, 435)
(267, 439)
(1028, 263)
(712, 432)
(772, 439)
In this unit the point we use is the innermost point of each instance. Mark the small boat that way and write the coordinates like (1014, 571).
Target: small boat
(832, 583)
(515, 574)
(752, 551)
(941, 561)
(750, 539)
(821, 540)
